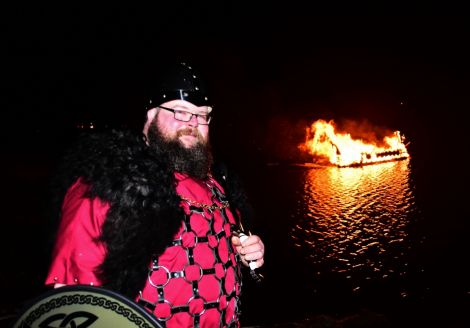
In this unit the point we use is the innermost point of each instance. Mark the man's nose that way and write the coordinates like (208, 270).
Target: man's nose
(193, 120)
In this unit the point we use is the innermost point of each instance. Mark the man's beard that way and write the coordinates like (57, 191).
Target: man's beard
(195, 161)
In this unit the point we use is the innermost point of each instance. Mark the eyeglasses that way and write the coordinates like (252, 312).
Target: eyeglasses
(184, 116)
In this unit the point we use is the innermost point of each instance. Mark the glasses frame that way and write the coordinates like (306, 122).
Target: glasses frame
(208, 119)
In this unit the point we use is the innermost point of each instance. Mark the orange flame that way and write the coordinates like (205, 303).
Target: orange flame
(340, 149)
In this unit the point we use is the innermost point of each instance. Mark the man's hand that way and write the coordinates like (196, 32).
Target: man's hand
(251, 249)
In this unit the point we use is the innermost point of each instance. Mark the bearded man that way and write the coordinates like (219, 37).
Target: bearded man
(151, 217)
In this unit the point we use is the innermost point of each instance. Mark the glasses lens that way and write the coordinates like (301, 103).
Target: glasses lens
(203, 119)
(181, 115)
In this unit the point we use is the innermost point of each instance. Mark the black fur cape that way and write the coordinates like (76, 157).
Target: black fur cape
(145, 210)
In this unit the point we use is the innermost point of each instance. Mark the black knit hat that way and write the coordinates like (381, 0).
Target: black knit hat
(178, 81)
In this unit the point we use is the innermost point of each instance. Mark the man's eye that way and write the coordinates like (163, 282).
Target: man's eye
(182, 113)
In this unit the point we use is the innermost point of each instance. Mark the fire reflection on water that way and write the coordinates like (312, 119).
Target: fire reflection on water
(353, 221)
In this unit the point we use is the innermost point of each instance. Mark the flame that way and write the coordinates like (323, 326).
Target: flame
(340, 149)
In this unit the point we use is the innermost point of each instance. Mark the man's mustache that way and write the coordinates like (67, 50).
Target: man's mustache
(189, 132)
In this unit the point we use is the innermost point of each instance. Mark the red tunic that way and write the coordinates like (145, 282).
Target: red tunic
(196, 281)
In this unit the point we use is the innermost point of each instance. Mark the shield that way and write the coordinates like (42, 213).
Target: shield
(84, 306)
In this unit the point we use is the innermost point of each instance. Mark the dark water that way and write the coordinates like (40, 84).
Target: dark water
(361, 246)
(354, 221)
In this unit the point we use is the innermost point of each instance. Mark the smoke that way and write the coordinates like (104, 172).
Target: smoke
(282, 138)
(363, 130)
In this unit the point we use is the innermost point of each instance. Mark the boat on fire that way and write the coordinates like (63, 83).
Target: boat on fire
(345, 158)
(341, 150)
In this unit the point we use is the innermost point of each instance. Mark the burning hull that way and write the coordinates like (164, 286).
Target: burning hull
(374, 158)
(342, 150)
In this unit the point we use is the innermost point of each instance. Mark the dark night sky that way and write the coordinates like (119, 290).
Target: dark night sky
(272, 69)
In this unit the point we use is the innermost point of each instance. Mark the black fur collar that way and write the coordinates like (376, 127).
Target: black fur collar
(144, 212)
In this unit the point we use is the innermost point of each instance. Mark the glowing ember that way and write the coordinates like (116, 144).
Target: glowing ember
(340, 149)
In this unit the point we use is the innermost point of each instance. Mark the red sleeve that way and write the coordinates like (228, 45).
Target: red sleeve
(76, 252)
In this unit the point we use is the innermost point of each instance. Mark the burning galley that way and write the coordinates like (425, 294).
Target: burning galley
(341, 150)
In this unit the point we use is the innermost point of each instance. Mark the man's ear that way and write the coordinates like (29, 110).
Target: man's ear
(151, 113)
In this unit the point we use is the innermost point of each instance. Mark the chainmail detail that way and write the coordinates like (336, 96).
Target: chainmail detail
(224, 265)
